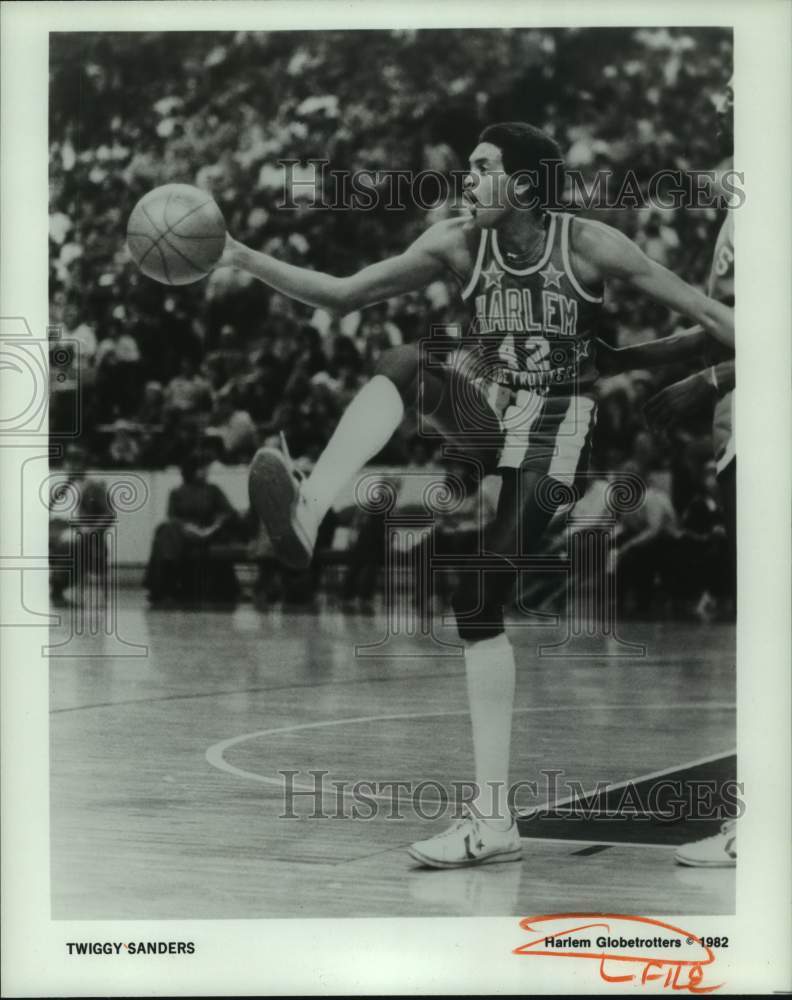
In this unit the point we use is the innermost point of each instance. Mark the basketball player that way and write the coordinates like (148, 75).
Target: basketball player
(672, 404)
(517, 396)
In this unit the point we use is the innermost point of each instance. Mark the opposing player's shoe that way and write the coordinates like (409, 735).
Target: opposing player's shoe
(469, 841)
(719, 851)
(274, 491)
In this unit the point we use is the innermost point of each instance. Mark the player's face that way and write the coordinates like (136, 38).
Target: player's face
(486, 187)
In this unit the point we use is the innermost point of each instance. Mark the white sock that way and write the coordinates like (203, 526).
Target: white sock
(368, 423)
(490, 670)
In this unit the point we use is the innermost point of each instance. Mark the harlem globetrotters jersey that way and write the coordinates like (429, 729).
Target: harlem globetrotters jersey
(721, 287)
(531, 329)
(533, 323)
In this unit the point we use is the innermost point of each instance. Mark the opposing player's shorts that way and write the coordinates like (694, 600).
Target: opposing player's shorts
(723, 431)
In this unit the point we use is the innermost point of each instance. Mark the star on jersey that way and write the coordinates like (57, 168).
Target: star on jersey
(552, 276)
(492, 276)
(582, 350)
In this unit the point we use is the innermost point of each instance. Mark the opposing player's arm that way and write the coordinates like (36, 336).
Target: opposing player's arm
(419, 265)
(723, 377)
(613, 255)
(690, 395)
(682, 345)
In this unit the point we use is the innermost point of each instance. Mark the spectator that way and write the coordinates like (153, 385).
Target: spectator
(367, 554)
(183, 566)
(643, 550)
(124, 449)
(234, 428)
(118, 368)
(150, 412)
(78, 543)
(78, 330)
(188, 392)
(703, 584)
(150, 420)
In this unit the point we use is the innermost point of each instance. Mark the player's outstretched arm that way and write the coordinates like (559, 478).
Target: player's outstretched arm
(419, 265)
(614, 255)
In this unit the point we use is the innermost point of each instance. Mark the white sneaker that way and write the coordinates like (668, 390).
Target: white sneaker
(275, 496)
(469, 841)
(719, 851)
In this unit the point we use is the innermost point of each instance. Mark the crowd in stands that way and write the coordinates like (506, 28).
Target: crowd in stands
(225, 365)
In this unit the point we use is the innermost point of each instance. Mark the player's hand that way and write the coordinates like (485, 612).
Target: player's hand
(230, 257)
(679, 400)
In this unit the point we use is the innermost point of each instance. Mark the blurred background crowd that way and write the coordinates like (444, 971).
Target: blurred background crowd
(220, 367)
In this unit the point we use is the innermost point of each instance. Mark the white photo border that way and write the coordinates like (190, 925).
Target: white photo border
(294, 956)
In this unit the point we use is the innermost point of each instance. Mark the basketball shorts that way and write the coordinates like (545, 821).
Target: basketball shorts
(723, 431)
(547, 433)
(539, 445)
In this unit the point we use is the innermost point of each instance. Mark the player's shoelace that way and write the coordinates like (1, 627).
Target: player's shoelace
(729, 830)
(468, 818)
(298, 475)
(465, 819)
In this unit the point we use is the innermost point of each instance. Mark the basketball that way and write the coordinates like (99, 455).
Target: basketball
(176, 234)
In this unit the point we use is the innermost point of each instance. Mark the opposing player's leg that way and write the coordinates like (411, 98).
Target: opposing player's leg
(720, 850)
(727, 482)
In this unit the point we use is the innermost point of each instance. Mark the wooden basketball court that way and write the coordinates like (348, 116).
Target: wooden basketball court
(167, 801)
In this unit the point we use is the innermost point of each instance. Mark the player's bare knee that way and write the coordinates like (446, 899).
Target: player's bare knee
(400, 365)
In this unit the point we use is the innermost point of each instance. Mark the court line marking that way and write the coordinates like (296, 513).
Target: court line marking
(630, 781)
(215, 753)
(605, 843)
(257, 690)
(556, 841)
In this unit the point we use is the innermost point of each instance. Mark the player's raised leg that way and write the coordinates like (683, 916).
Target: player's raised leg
(291, 509)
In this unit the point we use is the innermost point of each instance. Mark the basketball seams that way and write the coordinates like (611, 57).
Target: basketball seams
(165, 209)
(162, 235)
(156, 229)
(175, 249)
(170, 229)
(164, 260)
(164, 263)
(154, 225)
(136, 235)
(207, 236)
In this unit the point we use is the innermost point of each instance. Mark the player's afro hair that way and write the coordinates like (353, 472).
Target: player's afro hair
(527, 149)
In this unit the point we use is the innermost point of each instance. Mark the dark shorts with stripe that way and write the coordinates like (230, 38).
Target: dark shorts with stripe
(537, 443)
(547, 433)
